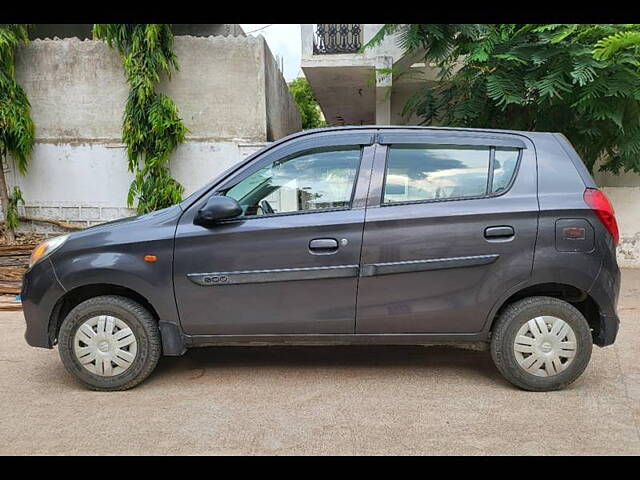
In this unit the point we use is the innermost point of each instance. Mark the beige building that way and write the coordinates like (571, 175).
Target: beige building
(358, 88)
(352, 91)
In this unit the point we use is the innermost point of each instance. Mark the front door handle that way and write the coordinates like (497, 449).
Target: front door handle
(323, 245)
(499, 232)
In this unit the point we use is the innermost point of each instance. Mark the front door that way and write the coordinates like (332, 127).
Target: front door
(451, 226)
(289, 264)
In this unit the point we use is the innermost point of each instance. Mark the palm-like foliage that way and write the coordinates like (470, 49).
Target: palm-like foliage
(152, 127)
(581, 80)
(17, 131)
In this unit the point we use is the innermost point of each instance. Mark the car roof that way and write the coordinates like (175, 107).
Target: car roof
(411, 127)
(404, 129)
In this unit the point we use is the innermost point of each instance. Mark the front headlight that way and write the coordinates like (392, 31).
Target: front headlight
(46, 248)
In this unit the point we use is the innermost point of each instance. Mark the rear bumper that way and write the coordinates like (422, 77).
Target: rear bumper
(608, 331)
(605, 291)
(40, 293)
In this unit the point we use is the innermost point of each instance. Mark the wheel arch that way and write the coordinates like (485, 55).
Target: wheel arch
(576, 296)
(74, 297)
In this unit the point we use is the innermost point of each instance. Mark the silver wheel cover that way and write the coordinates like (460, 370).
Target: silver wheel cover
(545, 346)
(105, 345)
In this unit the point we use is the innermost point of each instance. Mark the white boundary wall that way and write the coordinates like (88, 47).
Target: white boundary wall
(87, 184)
(624, 192)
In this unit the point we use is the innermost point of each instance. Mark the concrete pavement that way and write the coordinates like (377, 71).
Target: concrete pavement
(323, 400)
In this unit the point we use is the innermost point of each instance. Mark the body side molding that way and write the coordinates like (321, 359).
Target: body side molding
(339, 271)
(275, 275)
(388, 268)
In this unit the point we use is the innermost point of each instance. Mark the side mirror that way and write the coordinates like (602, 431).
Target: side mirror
(217, 208)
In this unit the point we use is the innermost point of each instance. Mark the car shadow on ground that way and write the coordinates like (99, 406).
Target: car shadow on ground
(461, 364)
(334, 357)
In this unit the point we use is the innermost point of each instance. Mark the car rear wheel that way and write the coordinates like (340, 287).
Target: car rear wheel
(109, 343)
(541, 343)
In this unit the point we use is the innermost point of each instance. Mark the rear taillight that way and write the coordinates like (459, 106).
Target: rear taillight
(600, 204)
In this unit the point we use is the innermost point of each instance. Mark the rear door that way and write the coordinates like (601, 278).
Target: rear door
(289, 264)
(451, 225)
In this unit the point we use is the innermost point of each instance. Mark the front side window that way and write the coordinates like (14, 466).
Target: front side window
(432, 173)
(315, 180)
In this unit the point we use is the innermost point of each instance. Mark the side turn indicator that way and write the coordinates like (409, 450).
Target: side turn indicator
(150, 258)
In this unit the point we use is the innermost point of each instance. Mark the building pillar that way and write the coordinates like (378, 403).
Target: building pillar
(383, 106)
(384, 80)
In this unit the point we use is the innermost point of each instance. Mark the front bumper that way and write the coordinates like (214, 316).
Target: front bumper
(41, 290)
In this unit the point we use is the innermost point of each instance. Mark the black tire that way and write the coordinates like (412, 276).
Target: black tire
(141, 322)
(514, 317)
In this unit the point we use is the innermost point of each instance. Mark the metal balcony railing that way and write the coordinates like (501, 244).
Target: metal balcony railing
(337, 38)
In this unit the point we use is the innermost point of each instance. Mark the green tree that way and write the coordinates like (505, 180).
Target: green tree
(152, 127)
(307, 104)
(581, 80)
(17, 131)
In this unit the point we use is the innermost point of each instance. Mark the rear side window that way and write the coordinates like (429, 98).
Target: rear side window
(423, 173)
(503, 167)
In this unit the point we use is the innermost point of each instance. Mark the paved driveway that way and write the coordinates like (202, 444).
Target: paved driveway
(323, 400)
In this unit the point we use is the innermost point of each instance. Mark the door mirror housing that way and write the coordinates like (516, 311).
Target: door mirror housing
(217, 208)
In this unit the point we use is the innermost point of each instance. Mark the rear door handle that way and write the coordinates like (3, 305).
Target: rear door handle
(323, 244)
(499, 232)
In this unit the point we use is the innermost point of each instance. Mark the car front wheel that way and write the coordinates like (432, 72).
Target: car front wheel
(109, 343)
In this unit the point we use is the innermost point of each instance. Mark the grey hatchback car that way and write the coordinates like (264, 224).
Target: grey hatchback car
(352, 235)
